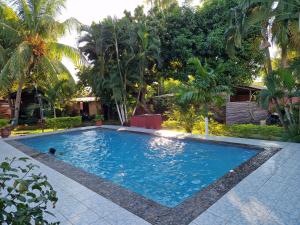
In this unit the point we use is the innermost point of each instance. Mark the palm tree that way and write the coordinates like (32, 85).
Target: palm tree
(204, 90)
(33, 27)
(148, 58)
(277, 21)
(282, 86)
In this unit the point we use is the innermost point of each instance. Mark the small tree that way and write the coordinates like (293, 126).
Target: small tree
(204, 90)
(24, 195)
(283, 88)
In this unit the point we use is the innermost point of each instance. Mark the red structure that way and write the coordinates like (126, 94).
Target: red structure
(149, 121)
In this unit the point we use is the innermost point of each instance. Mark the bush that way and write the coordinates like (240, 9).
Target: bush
(184, 118)
(99, 117)
(238, 130)
(3, 122)
(63, 122)
(215, 128)
(256, 131)
(25, 196)
(171, 124)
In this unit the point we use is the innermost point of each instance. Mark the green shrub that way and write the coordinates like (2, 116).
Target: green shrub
(182, 118)
(256, 131)
(171, 124)
(215, 128)
(26, 195)
(3, 122)
(63, 122)
(237, 130)
(99, 117)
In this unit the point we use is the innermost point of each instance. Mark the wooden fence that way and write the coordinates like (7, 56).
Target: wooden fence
(244, 112)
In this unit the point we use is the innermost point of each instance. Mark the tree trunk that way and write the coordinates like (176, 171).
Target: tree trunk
(266, 47)
(284, 47)
(278, 110)
(137, 102)
(18, 102)
(119, 113)
(11, 106)
(269, 61)
(284, 56)
(206, 126)
(54, 112)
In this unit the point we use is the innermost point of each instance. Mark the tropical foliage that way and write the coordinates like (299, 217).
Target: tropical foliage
(275, 133)
(124, 54)
(63, 122)
(279, 23)
(132, 57)
(30, 52)
(204, 90)
(25, 195)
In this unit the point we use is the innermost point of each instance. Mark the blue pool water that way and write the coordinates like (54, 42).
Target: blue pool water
(165, 170)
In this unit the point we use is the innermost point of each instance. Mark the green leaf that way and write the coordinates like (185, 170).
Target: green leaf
(5, 166)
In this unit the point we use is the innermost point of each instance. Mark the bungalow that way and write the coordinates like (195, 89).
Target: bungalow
(89, 106)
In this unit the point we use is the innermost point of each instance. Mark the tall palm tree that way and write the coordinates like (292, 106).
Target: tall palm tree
(33, 27)
(204, 90)
(147, 57)
(276, 19)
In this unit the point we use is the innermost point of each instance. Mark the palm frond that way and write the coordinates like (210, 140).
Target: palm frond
(18, 63)
(59, 50)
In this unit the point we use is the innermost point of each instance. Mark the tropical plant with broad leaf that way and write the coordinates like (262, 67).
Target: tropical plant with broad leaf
(58, 93)
(283, 92)
(203, 90)
(26, 195)
(277, 20)
(33, 30)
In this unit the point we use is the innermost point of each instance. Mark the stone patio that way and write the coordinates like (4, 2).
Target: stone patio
(270, 195)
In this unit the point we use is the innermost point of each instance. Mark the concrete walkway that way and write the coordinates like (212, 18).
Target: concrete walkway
(270, 195)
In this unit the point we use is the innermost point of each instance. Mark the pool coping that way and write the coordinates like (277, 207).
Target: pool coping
(147, 209)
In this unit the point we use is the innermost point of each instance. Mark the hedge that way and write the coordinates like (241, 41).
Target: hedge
(238, 130)
(256, 131)
(3, 122)
(63, 122)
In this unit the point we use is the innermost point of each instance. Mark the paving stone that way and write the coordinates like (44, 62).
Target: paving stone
(208, 218)
(270, 195)
(87, 217)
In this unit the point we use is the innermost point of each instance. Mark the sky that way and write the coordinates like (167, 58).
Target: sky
(87, 11)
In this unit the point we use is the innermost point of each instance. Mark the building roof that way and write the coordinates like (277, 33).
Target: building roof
(252, 87)
(85, 99)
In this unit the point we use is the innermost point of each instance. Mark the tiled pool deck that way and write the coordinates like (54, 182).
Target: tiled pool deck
(270, 195)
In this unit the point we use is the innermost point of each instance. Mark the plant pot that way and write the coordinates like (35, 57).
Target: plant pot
(5, 132)
(99, 123)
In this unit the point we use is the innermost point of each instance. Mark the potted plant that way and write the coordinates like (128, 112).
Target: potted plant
(5, 131)
(5, 128)
(98, 120)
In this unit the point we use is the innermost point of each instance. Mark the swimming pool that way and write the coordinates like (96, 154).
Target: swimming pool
(165, 170)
